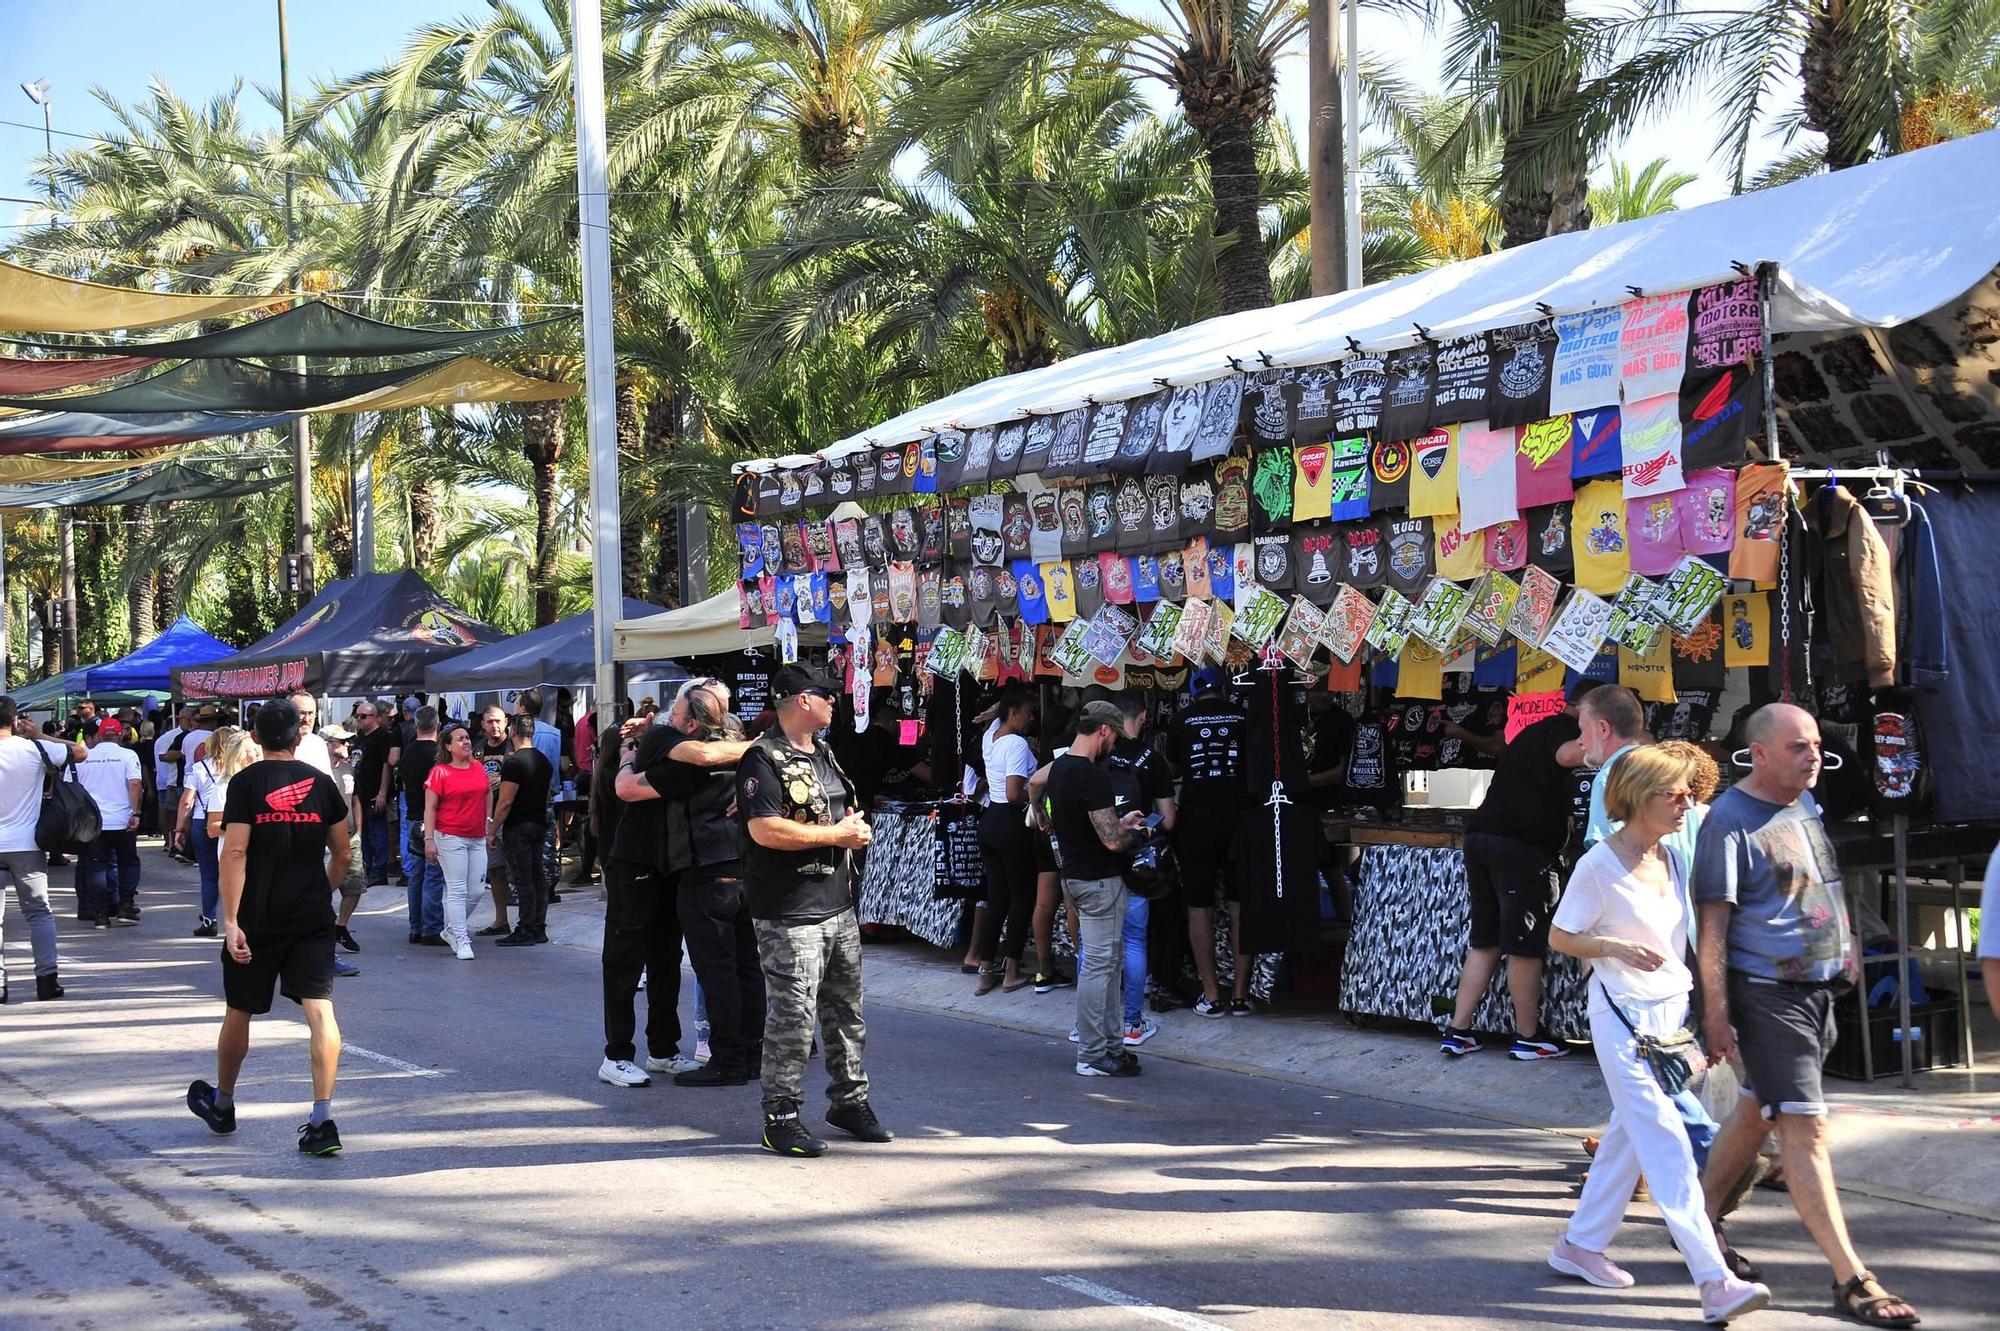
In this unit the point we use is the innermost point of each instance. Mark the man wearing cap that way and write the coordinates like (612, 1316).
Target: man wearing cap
(109, 876)
(801, 824)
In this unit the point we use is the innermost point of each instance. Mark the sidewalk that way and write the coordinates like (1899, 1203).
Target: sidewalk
(1936, 1146)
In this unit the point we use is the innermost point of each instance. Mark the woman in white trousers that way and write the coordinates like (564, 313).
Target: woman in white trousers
(1625, 911)
(458, 810)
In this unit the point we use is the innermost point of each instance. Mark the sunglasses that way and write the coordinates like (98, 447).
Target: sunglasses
(824, 695)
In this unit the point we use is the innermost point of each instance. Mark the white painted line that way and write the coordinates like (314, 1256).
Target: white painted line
(1090, 1289)
(395, 1063)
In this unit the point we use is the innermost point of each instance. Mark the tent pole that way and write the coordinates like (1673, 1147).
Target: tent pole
(6, 613)
(599, 350)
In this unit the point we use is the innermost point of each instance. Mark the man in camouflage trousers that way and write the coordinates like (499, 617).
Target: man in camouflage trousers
(800, 825)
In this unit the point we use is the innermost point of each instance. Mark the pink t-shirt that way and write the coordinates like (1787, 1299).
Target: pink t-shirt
(1506, 545)
(1543, 453)
(1653, 531)
(461, 798)
(1708, 511)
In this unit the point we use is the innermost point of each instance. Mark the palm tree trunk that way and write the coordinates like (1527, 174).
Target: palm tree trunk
(139, 547)
(1827, 70)
(663, 431)
(632, 454)
(541, 444)
(38, 606)
(1242, 272)
(1544, 189)
(426, 532)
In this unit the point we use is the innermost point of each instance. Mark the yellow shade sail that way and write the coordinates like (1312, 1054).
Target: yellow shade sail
(37, 302)
(467, 379)
(33, 471)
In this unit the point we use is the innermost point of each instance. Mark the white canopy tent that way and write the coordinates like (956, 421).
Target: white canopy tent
(706, 628)
(1870, 247)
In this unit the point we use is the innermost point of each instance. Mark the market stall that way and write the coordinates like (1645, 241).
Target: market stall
(559, 654)
(149, 668)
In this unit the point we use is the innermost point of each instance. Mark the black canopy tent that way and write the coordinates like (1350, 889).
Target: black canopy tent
(560, 654)
(368, 635)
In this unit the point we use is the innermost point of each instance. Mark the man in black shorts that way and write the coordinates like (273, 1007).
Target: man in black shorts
(284, 855)
(1512, 842)
(1207, 744)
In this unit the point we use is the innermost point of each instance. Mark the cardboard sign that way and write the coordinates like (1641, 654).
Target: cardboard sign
(1258, 614)
(1578, 630)
(1635, 621)
(1302, 632)
(1157, 638)
(1347, 623)
(1524, 709)
(1389, 632)
(1535, 607)
(1690, 593)
(1492, 603)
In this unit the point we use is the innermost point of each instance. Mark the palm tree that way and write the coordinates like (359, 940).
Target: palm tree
(1626, 197)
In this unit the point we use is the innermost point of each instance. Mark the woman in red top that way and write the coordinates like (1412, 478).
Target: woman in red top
(458, 806)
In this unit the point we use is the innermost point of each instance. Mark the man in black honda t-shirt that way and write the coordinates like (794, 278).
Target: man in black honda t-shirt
(284, 854)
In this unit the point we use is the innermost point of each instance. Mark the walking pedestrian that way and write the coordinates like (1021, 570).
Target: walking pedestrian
(374, 749)
(1006, 846)
(1776, 951)
(354, 886)
(798, 811)
(1625, 911)
(284, 853)
(173, 764)
(1141, 780)
(490, 748)
(424, 879)
(108, 876)
(520, 822)
(202, 795)
(25, 757)
(458, 806)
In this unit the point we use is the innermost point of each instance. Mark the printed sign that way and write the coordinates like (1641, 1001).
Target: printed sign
(1071, 651)
(1258, 614)
(1635, 621)
(1492, 606)
(1578, 630)
(1690, 593)
(1191, 638)
(1440, 613)
(1302, 632)
(1389, 633)
(1535, 607)
(1157, 638)
(1347, 623)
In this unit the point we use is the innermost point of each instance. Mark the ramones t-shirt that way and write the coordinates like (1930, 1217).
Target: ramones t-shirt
(288, 807)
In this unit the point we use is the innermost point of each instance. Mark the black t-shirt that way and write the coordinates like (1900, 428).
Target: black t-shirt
(419, 756)
(775, 780)
(1076, 787)
(490, 756)
(288, 807)
(1207, 743)
(1156, 780)
(371, 756)
(652, 832)
(1529, 799)
(531, 772)
(715, 840)
(1332, 742)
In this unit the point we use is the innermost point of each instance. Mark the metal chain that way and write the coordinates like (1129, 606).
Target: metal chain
(1785, 599)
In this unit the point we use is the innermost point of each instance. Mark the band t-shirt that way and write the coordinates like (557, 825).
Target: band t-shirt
(288, 807)
(776, 780)
(1208, 743)
(529, 770)
(1077, 786)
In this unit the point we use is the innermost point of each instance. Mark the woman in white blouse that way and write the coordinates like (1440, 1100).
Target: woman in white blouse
(1005, 843)
(202, 791)
(1625, 911)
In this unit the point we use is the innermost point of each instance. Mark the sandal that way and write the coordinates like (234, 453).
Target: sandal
(989, 980)
(1017, 984)
(1867, 1309)
(1739, 1266)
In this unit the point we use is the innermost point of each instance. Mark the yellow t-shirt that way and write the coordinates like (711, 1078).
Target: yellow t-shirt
(1651, 676)
(1461, 556)
(1434, 473)
(1597, 538)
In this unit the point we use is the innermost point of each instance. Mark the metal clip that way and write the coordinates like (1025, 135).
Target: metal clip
(1742, 268)
(1636, 293)
(1546, 309)
(1160, 383)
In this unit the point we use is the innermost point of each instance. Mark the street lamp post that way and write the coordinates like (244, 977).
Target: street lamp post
(38, 93)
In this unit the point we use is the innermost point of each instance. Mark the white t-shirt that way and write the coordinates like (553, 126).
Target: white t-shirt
(1006, 755)
(192, 740)
(21, 774)
(1989, 909)
(1605, 898)
(164, 772)
(313, 752)
(207, 789)
(106, 774)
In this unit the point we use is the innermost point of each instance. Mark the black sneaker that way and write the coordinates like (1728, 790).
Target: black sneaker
(1046, 981)
(344, 938)
(128, 914)
(321, 1140)
(519, 938)
(205, 928)
(785, 1134)
(1108, 1066)
(101, 920)
(708, 1074)
(493, 931)
(1128, 1059)
(857, 1119)
(1164, 1000)
(1245, 1007)
(415, 937)
(201, 1102)
(432, 940)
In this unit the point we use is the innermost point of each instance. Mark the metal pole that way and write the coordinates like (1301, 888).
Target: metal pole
(67, 527)
(1328, 169)
(1350, 81)
(49, 146)
(599, 352)
(1900, 829)
(6, 613)
(302, 427)
(361, 496)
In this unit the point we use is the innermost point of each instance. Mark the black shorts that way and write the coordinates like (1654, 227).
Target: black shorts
(1045, 854)
(1204, 839)
(300, 964)
(1514, 889)
(1784, 1033)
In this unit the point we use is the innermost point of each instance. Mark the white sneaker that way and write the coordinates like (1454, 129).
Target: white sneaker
(1144, 1031)
(702, 1050)
(461, 948)
(1074, 1038)
(678, 1063)
(621, 1072)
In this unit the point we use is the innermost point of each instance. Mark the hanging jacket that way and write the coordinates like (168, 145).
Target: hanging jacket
(1859, 589)
(1920, 593)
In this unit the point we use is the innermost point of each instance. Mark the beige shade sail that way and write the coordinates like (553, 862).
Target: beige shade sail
(467, 379)
(37, 302)
(34, 471)
(705, 628)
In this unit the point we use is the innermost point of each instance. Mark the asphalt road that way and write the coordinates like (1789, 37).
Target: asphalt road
(490, 1180)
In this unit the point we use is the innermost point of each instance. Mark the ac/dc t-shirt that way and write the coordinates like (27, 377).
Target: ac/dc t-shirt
(288, 807)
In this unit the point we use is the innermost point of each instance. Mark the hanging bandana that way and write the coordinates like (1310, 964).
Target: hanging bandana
(1486, 492)
(1358, 395)
(1652, 347)
(1218, 419)
(1518, 375)
(1434, 478)
(1506, 546)
(1707, 511)
(1652, 446)
(1653, 527)
(1389, 475)
(1313, 401)
(1597, 538)
(1543, 456)
(1408, 377)
(1460, 391)
(1363, 555)
(1312, 492)
(1587, 359)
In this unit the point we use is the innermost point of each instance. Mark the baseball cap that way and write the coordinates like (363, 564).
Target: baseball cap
(110, 727)
(792, 680)
(1209, 677)
(335, 732)
(1097, 713)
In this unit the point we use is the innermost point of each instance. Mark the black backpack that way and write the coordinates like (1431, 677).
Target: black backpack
(69, 820)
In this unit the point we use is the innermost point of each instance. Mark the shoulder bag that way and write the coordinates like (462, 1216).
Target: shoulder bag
(69, 819)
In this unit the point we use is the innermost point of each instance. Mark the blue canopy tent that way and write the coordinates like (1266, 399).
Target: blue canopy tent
(558, 654)
(184, 643)
(57, 692)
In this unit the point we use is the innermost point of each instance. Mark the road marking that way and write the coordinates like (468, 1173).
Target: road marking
(1090, 1289)
(396, 1063)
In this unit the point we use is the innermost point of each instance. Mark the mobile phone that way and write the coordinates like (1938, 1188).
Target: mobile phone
(1153, 820)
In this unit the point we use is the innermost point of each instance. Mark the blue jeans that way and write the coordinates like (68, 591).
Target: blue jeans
(108, 871)
(1701, 1129)
(1136, 914)
(426, 890)
(374, 841)
(207, 859)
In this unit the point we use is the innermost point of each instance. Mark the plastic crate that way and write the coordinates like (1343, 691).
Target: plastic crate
(1937, 1040)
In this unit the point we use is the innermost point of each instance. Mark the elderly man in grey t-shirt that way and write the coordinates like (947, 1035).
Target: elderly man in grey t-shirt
(1775, 951)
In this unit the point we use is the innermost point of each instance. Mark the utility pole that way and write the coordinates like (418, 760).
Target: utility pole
(600, 380)
(301, 427)
(1333, 146)
(38, 93)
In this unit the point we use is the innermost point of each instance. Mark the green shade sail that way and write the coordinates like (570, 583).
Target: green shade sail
(226, 385)
(152, 485)
(318, 329)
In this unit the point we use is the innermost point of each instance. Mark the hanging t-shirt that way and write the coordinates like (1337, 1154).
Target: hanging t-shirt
(1065, 455)
(1707, 511)
(1408, 377)
(1164, 454)
(1653, 529)
(1459, 393)
(1219, 412)
(1760, 518)
(1173, 576)
(1222, 571)
(1652, 347)
(978, 455)
(1058, 591)
(1180, 421)
(1115, 576)
(1271, 488)
(1697, 661)
(1312, 482)
(1358, 395)
(1461, 555)
(1485, 476)
(1313, 401)
(1597, 444)
(1543, 454)
(1267, 416)
(1274, 562)
(1197, 504)
(1072, 509)
(1410, 560)
(1586, 360)
(1597, 538)
(1389, 475)
(1145, 577)
(1087, 576)
(1434, 475)
(1364, 560)
(1348, 467)
(1518, 374)
(1195, 560)
(1549, 539)
(1650, 676)
(1231, 521)
(1651, 430)
(1746, 629)
(1163, 513)
(1315, 561)
(1506, 546)
(1007, 446)
(1035, 448)
(1719, 411)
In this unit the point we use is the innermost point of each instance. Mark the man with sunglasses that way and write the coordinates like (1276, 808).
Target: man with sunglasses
(375, 757)
(801, 825)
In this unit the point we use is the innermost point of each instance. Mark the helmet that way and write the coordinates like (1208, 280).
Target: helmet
(1153, 871)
